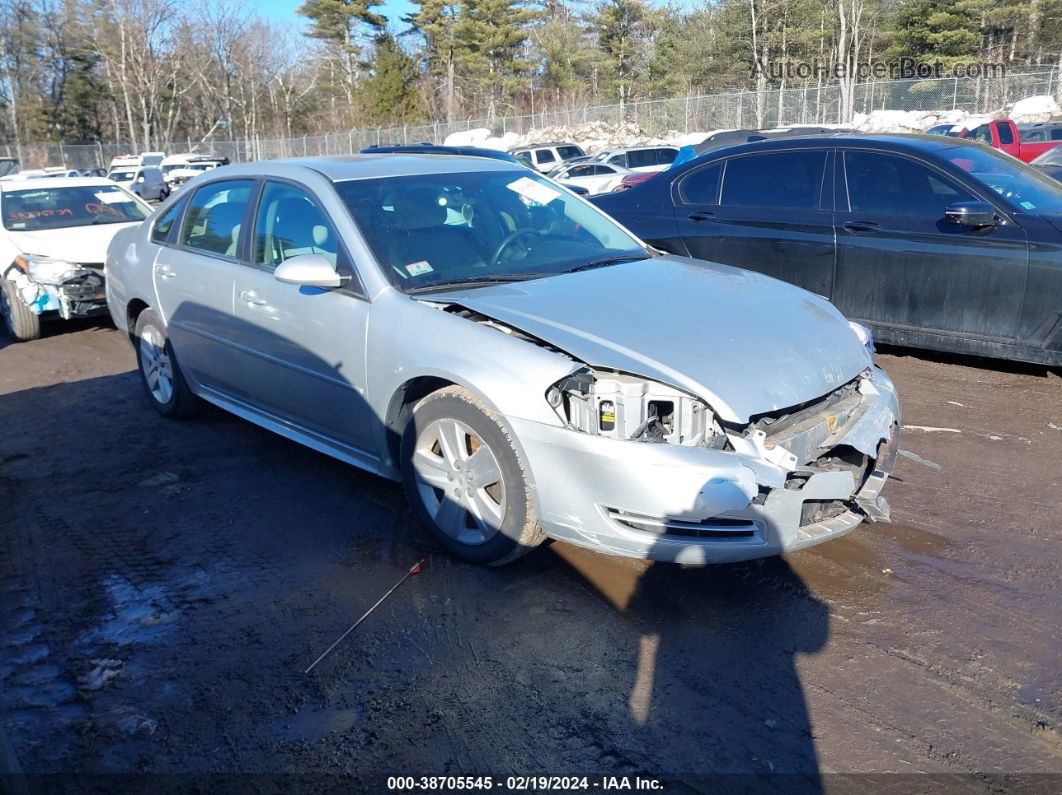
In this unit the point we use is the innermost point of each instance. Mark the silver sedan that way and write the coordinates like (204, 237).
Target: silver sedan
(523, 364)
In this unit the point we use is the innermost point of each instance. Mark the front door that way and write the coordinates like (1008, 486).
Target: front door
(194, 279)
(303, 347)
(769, 212)
(901, 265)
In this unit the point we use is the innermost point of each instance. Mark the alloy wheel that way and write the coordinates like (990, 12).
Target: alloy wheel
(459, 481)
(156, 365)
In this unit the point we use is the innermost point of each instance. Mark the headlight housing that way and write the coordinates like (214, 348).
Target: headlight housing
(46, 270)
(620, 406)
(866, 336)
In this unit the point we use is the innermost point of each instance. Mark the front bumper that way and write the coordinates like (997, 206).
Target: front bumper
(699, 505)
(80, 293)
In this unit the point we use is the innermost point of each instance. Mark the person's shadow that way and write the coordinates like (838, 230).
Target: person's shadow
(716, 689)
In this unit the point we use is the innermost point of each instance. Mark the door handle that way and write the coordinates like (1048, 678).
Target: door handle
(165, 272)
(252, 297)
(860, 226)
(701, 215)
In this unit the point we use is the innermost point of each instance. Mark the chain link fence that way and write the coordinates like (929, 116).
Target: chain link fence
(806, 104)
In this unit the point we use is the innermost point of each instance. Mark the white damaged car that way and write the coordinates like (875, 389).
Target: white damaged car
(524, 364)
(53, 244)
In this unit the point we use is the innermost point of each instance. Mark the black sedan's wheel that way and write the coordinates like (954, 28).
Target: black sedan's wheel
(162, 379)
(466, 481)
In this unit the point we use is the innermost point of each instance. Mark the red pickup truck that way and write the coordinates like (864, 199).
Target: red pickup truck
(1003, 134)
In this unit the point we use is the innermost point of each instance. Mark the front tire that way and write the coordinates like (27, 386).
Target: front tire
(159, 372)
(465, 480)
(20, 321)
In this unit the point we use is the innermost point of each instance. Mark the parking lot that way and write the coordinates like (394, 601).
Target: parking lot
(165, 585)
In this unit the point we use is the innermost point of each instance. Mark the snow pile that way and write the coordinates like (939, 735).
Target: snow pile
(1031, 109)
(592, 137)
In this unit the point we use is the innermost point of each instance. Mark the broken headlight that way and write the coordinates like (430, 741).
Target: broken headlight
(621, 406)
(46, 270)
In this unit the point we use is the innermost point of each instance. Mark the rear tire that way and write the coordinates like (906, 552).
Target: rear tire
(465, 480)
(159, 372)
(21, 323)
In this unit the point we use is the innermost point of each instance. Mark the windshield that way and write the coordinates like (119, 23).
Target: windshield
(58, 208)
(122, 176)
(1052, 157)
(429, 231)
(1025, 187)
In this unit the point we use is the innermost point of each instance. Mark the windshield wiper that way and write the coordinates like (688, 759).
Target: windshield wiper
(477, 280)
(604, 262)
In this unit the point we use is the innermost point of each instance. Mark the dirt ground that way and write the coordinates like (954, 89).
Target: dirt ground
(164, 584)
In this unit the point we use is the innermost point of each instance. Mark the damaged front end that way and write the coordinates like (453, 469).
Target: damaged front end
(51, 285)
(670, 481)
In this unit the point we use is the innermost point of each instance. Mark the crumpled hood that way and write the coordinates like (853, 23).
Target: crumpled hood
(86, 244)
(743, 342)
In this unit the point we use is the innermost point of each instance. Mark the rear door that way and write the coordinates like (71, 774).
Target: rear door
(302, 349)
(768, 211)
(194, 276)
(902, 266)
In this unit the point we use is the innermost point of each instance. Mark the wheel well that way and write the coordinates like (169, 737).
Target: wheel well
(132, 312)
(398, 410)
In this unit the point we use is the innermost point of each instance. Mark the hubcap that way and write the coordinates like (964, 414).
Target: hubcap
(459, 481)
(156, 365)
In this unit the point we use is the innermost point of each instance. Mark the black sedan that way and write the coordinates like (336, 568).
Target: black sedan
(934, 242)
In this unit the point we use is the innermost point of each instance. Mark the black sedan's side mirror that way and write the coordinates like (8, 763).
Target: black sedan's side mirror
(975, 214)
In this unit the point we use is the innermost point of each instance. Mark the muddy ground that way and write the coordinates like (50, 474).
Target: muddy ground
(164, 584)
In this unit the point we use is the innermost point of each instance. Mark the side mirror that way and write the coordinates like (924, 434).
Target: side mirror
(974, 213)
(308, 270)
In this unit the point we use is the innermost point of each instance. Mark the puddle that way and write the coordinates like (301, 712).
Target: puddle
(313, 724)
(137, 615)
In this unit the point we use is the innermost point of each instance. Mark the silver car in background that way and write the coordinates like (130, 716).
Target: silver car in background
(526, 366)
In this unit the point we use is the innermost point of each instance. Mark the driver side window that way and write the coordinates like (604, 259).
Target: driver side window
(289, 223)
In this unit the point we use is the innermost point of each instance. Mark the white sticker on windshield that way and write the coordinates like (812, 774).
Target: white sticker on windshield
(418, 268)
(535, 191)
(111, 197)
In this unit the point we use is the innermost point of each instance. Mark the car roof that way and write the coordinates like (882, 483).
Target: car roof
(889, 141)
(339, 168)
(55, 182)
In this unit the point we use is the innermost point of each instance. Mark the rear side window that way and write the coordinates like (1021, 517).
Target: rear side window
(1005, 134)
(641, 158)
(790, 180)
(568, 152)
(1056, 134)
(880, 184)
(215, 216)
(702, 186)
(160, 232)
(1032, 135)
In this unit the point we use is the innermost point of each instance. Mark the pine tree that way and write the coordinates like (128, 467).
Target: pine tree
(491, 35)
(389, 93)
(344, 24)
